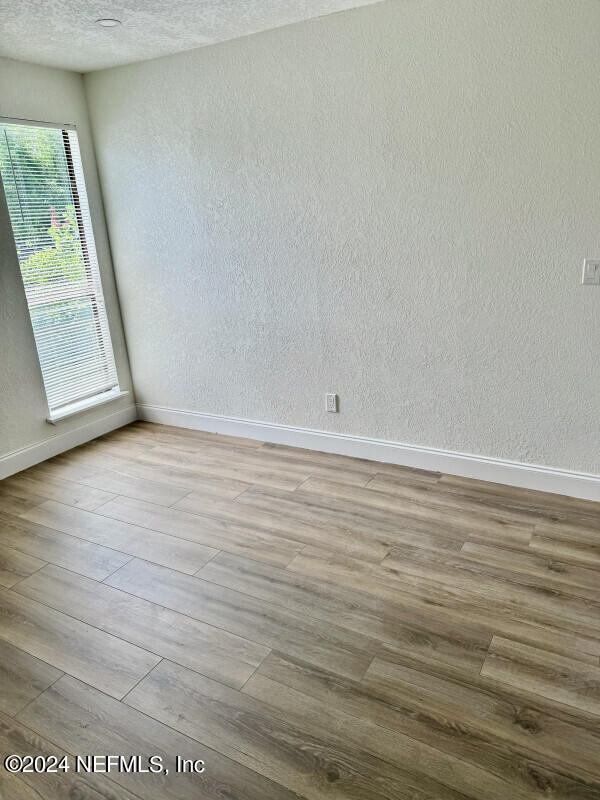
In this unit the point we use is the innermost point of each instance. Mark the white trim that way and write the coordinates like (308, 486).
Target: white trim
(83, 405)
(64, 126)
(511, 473)
(40, 451)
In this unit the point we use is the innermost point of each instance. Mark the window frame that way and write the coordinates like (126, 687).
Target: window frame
(70, 290)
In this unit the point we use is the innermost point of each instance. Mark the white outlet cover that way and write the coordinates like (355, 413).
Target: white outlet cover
(331, 403)
(591, 272)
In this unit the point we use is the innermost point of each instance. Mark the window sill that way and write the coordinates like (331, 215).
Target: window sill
(84, 405)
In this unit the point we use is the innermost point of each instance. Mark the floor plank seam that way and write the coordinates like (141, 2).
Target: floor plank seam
(174, 503)
(237, 496)
(71, 536)
(33, 699)
(110, 574)
(83, 622)
(126, 641)
(137, 683)
(256, 669)
(183, 614)
(196, 574)
(24, 577)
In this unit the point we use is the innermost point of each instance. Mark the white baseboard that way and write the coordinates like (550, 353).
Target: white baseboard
(511, 473)
(40, 451)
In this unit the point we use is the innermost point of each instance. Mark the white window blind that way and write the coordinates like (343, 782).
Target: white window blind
(47, 203)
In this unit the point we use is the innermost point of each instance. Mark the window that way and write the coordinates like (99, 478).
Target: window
(47, 203)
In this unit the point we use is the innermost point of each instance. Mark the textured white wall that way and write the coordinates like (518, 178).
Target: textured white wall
(392, 203)
(49, 95)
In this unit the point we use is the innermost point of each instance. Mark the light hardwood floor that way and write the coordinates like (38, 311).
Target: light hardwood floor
(309, 625)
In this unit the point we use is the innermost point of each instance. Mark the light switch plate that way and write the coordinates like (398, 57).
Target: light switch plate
(591, 272)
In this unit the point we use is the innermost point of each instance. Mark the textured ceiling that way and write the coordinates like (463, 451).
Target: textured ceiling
(63, 33)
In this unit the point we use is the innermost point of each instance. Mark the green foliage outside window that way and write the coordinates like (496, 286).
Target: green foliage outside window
(64, 259)
(40, 201)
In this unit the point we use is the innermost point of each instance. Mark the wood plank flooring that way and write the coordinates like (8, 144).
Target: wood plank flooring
(309, 625)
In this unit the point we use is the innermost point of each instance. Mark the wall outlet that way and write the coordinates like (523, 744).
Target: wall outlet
(331, 402)
(591, 272)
